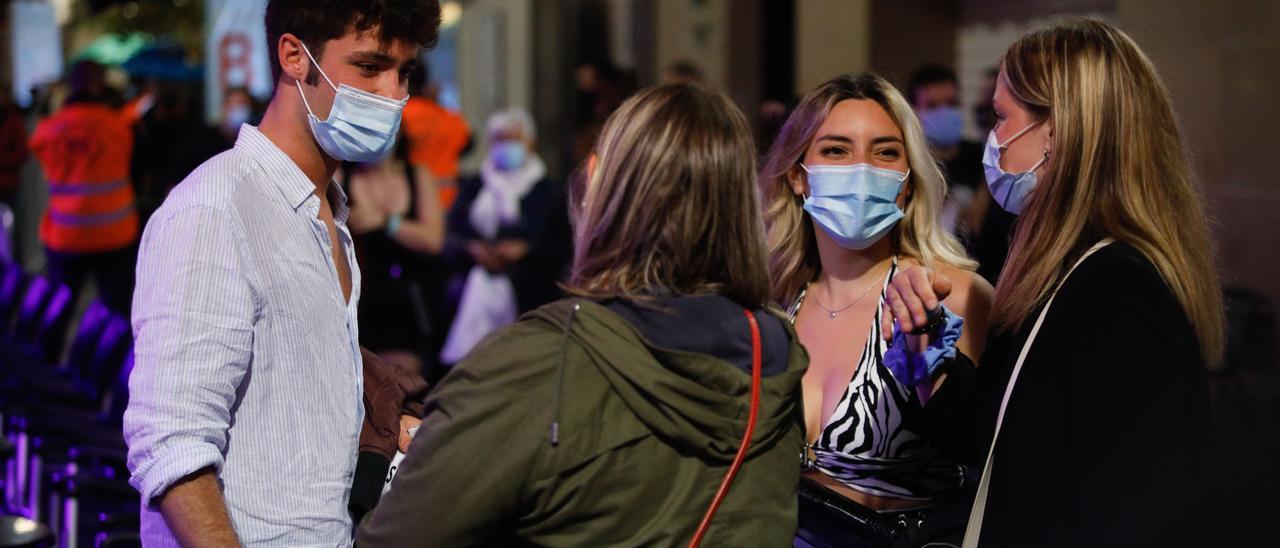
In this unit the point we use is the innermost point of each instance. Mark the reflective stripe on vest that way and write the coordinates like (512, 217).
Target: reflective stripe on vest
(91, 219)
(86, 189)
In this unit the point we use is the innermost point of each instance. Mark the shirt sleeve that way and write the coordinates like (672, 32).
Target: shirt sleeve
(193, 318)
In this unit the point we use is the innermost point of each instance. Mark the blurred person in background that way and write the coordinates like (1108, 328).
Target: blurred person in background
(90, 227)
(852, 195)
(684, 72)
(609, 418)
(13, 148)
(599, 88)
(398, 226)
(159, 137)
(984, 112)
(497, 235)
(13, 155)
(934, 93)
(238, 108)
(772, 115)
(436, 137)
(200, 141)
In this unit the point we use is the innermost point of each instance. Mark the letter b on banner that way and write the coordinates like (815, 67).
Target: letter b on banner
(237, 51)
(235, 64)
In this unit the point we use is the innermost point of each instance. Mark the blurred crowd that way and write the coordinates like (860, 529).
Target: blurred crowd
(306, 299)
(446, 256)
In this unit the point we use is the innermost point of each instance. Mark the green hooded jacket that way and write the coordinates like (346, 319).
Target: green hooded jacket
(569, 428)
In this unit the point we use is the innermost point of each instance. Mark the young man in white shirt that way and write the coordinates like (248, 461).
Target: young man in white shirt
(246, 398)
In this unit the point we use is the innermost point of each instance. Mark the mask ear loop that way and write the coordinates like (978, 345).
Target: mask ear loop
(808, 191)
(326, 79)
(1042, 161)
(1010, 141)
(1015, 136)
(307, 51)
(305, 103)
(316, 64)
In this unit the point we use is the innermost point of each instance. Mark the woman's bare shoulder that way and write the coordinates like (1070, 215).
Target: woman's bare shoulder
(968, 289)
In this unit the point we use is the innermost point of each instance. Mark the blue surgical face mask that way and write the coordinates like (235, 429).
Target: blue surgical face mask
(856, 204)
(1010, 190)
(236, 116)
(361, 127)
(508, 155)
(943, 126)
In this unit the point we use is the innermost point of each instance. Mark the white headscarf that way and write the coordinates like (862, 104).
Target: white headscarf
(499, 199)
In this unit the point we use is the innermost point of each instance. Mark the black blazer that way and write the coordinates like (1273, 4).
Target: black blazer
(1106, 437)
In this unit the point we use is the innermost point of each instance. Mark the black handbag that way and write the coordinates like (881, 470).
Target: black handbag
(828, 519)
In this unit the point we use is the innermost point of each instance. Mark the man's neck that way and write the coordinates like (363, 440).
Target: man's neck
(281, 125)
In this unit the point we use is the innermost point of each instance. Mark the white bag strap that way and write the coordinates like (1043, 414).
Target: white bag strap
(974, 529)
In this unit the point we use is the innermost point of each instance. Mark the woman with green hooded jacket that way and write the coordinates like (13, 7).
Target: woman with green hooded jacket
(611, 418)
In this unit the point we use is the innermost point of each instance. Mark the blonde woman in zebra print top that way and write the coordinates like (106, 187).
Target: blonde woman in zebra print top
(862, 423)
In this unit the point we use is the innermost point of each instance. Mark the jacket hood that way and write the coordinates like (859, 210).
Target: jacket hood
(695, 401)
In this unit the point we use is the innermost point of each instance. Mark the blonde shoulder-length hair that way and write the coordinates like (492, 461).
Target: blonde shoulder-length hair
(1118, 168)
(792, 246)
(668, 204)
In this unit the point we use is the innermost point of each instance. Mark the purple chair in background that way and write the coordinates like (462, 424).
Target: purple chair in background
(12, 280)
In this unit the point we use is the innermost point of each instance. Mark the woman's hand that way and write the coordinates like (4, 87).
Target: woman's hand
(910, 296)
(511, 251)
(407, 422)
(484, 255)
(908, 299)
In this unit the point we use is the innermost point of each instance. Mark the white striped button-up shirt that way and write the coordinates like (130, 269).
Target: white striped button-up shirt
(247, 358)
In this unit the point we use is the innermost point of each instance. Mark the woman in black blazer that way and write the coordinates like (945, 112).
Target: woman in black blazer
(1099, 435)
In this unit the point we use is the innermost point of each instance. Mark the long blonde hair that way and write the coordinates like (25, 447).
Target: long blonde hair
(793, 248)
(1118, 168)
(670, 204)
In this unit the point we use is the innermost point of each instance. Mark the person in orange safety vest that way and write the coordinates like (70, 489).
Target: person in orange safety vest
(436, 137)
(91, 224)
